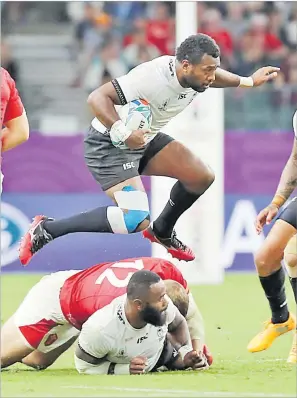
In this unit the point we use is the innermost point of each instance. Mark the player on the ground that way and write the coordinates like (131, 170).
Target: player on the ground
(13, 117)
(281, 239)
(51, 315)
(168, 84)
(136, 333)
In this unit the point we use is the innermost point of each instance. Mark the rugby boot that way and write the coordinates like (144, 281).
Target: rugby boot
(292, 358)
(34, 240)
(173, 245)
(271, 331)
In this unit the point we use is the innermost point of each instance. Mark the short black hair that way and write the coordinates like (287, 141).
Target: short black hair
(194, 47)
(140, 282)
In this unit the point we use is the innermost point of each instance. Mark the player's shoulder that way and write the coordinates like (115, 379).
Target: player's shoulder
(162, 67)
(107, 319)
(5, 75)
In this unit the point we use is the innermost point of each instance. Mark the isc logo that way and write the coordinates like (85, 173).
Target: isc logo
(129, 165)
(140, 340)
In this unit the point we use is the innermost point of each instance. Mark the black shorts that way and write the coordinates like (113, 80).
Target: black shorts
(167, 358)
(110, 165)
(289, 213)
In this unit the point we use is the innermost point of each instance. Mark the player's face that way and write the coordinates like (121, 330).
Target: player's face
(153, 310)
(200, 77)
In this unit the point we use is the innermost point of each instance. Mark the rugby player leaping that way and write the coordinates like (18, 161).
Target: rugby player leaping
(168, 84)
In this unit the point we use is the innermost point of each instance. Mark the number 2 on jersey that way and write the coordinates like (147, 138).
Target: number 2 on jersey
(109, 274)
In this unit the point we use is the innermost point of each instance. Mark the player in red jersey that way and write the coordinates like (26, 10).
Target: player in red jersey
(13, 115)
(49, 319)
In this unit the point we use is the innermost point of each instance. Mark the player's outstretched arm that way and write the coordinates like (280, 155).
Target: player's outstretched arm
(224, 79)
(16, 132)
(196, 325)
(181, 340)
(286, 186)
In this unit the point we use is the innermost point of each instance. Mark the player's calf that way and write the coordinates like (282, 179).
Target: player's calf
(290, 259)
(41, 361)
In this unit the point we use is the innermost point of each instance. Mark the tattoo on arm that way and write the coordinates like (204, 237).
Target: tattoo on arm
(288, 180)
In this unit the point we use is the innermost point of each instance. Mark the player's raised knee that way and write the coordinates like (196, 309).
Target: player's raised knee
(132, 214)
(264, 263)
(202, 180)
(290, 260)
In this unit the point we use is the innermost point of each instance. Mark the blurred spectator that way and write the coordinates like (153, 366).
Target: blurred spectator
(107, 64)
(93, 31)
(160, 28)
(124, 13)
(140, 50)
(235, 22)
(251, 56)
(260, 36)
(212, 25)
(8, 62)
(290, 29)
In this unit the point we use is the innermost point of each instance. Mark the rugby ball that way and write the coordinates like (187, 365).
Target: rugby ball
(136, 115)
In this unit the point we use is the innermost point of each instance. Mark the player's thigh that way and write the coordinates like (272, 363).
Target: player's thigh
(40, 312)
(13, 345)
(40, 360)
(290, 255)
(110, 166)
(170, 158)
(272, 250)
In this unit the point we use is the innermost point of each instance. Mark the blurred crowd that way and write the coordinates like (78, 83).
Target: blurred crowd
(113, 37)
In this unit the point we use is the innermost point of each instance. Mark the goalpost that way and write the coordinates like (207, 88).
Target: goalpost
(201, 128)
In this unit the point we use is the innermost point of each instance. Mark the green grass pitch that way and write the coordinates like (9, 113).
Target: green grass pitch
(233, 313)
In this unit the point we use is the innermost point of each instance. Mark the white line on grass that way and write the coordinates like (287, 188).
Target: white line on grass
(188, 392)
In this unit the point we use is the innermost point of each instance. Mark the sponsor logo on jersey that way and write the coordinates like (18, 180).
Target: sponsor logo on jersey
(120, 315)
(14, 225)
(171, 68)
(51, 339)
(121, 354)
(164, 105)
(141, 339)
(160, 333)
(182, 96)
(129, 165)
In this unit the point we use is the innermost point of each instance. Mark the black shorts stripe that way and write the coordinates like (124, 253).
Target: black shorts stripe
(119, 91)
(289, 213)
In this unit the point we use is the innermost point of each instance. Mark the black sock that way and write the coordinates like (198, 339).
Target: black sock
(180, 201)
(89, 221)
(294, 287)
(274, 287)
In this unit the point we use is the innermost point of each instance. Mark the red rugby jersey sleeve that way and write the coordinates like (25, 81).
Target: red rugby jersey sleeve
(15, 107)
(167, 270)
(143, 82)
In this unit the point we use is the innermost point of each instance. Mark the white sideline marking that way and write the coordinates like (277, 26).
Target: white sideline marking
(189, 392)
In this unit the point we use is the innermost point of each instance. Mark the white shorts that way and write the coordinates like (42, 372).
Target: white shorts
(40, 318)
